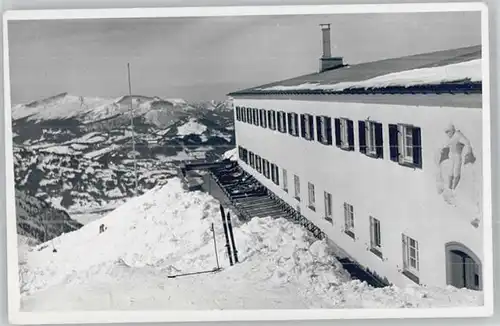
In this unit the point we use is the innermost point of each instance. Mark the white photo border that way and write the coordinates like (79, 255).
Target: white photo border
(85, 317)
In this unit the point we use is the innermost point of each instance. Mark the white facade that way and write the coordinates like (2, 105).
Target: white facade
(405, 200)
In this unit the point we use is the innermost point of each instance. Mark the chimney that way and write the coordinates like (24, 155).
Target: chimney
(327, 62)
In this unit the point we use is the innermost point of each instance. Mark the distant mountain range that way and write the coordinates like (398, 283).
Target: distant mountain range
(76, 153)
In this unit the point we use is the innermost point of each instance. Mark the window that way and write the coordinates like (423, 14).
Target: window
(307, 126)
(258, 163)
(349, 220)
(405, 145)
(328, 207)
(275, 174)
(251, 159)
(281, 121)
(243, 114)
(240, 152)
(324, 130)
(244, 155)
(263, 118)
(410, 258)
(344, 134)
(249, 115)
(255, 114)
(238, 117)
(296, 183)
(375, 238)
(265, 168)
(311, 196)
(293, 124)
(271, 119)
(285, 180)
(371, 139)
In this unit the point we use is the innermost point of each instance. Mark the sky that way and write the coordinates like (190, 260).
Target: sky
(205, 58)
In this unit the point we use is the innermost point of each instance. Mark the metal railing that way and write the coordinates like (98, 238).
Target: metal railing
(254, 184)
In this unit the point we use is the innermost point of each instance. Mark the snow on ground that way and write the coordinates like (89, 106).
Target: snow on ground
(231, 154)
(167, 231)
(470, 70)
(59, 150)
(102, 151)
(191, 127)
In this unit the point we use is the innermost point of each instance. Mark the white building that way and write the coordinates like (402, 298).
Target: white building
(384, 157)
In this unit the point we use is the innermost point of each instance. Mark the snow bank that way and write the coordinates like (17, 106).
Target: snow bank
(191, 127)
(231, 154)
(167, 231)
(469, 70)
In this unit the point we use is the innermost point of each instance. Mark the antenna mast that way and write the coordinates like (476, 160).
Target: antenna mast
(132, 126)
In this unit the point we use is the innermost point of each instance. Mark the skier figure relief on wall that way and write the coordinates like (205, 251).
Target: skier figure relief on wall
(452, 157)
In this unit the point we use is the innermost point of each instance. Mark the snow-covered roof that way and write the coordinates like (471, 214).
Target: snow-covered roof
(449, 71)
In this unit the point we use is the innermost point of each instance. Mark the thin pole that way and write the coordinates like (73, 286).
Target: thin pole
(228, 246)
(132, 126)
(230, 227)
(215, 247)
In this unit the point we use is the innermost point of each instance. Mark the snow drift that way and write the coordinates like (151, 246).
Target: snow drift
(167, 231)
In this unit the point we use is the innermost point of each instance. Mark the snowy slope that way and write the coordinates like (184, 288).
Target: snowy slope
(469, 70)
(87, 110)
(61, 106)
(167, 231)
(191, 127)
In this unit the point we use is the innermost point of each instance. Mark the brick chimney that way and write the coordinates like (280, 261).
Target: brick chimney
(327, 62)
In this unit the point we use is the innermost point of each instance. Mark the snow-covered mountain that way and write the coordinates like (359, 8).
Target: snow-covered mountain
(167, 232)
(76, 153)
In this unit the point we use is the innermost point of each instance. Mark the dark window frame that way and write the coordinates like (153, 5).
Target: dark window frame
(395, 147)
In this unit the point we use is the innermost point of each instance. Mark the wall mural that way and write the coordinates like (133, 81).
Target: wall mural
(456, 153)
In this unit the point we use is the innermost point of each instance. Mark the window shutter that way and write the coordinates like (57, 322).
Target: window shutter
(350, 134)
(372, 232)
(362, 136)
(328, 130)
(338, 141)
(393, 142)
(379, 140)
(405, 253)
(319, 125)
(302, 126)
(417, 147)
(296, 124)
(311, 127)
